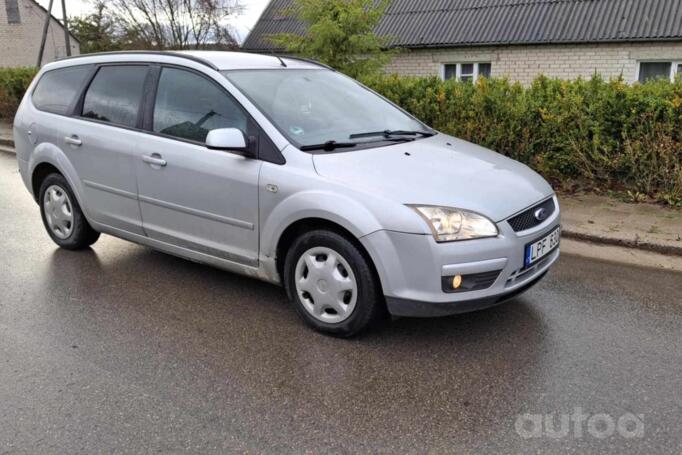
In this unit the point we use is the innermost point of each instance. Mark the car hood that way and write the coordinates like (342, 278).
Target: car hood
(440, 170)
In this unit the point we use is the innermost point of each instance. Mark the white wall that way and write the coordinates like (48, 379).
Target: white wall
(524, 63)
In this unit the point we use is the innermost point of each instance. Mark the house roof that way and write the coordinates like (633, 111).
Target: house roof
(445, 23)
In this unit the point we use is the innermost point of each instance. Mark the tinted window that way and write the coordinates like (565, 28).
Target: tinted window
(188, 106)
(115, 94)
(654, 70)
(57, 89)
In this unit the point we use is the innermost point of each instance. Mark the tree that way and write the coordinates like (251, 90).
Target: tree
(339, 33)
(156, 24)
(176, 24)
(96, 32)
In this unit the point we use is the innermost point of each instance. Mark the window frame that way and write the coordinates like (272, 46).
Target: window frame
(674, 64)
(458, 69)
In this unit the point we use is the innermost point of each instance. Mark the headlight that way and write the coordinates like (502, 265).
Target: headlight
(449, 224)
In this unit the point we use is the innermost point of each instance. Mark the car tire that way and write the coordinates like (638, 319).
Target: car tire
(332, 284)
(62, 216)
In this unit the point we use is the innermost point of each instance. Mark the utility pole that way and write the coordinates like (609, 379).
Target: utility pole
(44, 38)
(67, 40)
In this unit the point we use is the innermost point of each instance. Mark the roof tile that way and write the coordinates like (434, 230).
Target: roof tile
(441, 23)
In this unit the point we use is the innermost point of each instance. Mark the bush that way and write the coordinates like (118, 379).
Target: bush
(601, 135)
(13, 85)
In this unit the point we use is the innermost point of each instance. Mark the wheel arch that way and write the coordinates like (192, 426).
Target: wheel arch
(48, 157)
(303, 225)
(40, 173)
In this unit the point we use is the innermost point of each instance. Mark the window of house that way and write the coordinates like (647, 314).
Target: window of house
(188, 106)
(115, 94)
(466, 72)
(57, 89)
(484, 69)
(12, 10)
(648, 71)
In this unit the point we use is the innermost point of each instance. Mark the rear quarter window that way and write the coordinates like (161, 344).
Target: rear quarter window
(57, 89)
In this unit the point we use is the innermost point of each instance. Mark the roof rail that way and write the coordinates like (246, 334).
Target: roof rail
(307, 60)
(168, 53)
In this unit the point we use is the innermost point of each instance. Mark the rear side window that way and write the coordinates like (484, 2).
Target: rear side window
(57, 89)
(115, 94)
(188, 106)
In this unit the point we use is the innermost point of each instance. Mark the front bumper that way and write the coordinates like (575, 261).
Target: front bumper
(410, 268)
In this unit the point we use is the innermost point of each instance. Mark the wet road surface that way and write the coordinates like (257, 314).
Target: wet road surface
(121, 349)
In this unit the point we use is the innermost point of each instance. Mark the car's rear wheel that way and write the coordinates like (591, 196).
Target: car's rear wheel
(332, 284)
(62, 216)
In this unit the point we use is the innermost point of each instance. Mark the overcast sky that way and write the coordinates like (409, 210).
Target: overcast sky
(242, 24)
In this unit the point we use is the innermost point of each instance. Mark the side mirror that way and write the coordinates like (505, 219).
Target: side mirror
(229, 139)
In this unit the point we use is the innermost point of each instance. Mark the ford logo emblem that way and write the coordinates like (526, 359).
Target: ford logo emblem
(541, 214)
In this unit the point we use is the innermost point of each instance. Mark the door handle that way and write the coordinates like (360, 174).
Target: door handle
(73, 140)
(154, 159)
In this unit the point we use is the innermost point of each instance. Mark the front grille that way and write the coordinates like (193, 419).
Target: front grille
(471, 282)
(526, 220)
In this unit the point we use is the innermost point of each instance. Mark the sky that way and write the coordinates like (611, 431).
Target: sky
(241, 24)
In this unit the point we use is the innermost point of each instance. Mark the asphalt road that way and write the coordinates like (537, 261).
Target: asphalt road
(121, 349)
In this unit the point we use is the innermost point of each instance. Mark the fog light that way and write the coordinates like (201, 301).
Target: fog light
(470, 282)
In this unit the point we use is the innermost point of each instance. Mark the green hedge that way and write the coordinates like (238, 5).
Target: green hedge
(597, 135)
(13, 85)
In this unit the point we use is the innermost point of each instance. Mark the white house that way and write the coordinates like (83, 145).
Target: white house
(21, 27)
(518, 39)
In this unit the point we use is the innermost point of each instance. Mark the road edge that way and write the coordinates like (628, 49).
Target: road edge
(621, 255)
(636, 244)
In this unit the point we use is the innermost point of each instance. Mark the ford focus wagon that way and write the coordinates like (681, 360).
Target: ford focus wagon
(283, 170)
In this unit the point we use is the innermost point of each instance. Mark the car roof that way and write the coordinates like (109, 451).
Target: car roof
(217, 60)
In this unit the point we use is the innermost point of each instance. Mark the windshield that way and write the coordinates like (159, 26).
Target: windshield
(312, 106)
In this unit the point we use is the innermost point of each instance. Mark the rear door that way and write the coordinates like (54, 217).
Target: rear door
(190, 196)
(53, 98)
(101, 139)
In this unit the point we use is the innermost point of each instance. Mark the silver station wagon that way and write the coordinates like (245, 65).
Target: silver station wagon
(283, 170)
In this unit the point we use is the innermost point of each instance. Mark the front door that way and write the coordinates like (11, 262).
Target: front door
(190, 196)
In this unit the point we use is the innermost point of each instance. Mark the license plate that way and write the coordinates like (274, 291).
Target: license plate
(542, 247)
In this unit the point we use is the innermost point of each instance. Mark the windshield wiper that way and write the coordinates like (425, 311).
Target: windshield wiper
(389, 133)
(328, 146)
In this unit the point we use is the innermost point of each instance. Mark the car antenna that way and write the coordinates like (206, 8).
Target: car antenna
(280, 60)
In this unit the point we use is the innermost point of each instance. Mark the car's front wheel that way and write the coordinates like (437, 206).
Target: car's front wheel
(62, 216)
(332, 284)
